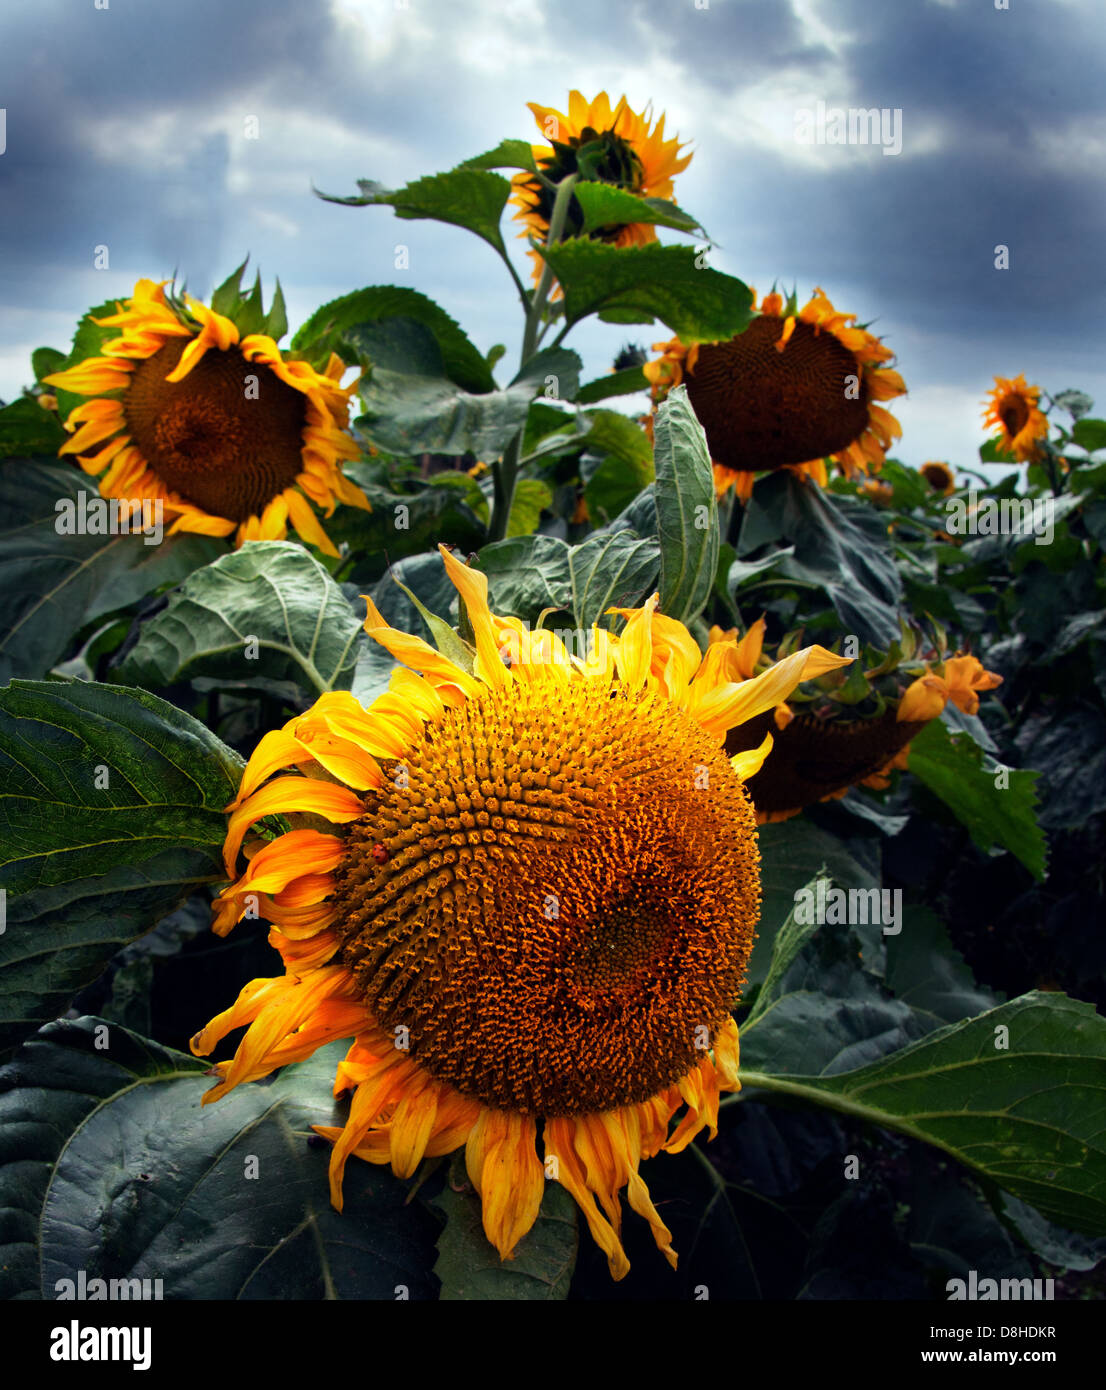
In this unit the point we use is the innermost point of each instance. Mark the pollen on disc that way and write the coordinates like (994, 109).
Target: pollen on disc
(569, 897)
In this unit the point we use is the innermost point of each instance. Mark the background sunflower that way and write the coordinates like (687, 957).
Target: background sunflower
(231, 437)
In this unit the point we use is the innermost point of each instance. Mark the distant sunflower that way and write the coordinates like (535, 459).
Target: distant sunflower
(939, 476)
(230, 436)
(624, 148)
(818, 759)
(1012, 406)
(792, 390)
(532, 911)
(882, 494)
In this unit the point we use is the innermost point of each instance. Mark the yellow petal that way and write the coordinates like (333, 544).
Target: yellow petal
(473, 588)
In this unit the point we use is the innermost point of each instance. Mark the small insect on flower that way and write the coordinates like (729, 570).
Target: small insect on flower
(380, 854)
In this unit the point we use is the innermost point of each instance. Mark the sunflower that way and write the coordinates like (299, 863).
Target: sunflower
(939, 476)
(882, 494)
(1013, 407)
(230, 436)
(798, 386)
(618, 147)
(818, 759)
(531, 907)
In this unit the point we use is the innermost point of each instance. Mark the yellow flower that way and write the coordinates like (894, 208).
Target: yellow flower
(882, 494)
(960, 680)
(939, 476)
(789, 392)
(1012, 407)
(634, 155)
(230, 436)
(532, 913)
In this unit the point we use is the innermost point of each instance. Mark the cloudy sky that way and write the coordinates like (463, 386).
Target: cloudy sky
(127, 128)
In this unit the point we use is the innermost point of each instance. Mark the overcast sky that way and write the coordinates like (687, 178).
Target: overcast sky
(127, 127)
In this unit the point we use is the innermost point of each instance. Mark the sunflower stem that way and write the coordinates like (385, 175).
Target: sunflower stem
(506, 471)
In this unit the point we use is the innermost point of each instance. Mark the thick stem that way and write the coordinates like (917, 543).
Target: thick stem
(506, 471)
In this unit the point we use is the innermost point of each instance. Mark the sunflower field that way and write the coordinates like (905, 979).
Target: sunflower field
(475, 833)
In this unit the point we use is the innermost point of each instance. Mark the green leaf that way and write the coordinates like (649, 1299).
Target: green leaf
(653, 281)
(951, 766)
(51, 585)
(445, 639)
(269, 609)
(27, 429)
(792, 853)
(508, 154)
(605, 205)
(820, 1007)
(991, 453)
(327, 327)
(112, 812)
(469, 1267)
(45, 361)
(528, 574)
(926, 971)
(412, 406)
(687, 510)
(531, 497)
(832, 543)
(1089, 434)
(1028, 1116)
(450, 508)
(468, 196)
(112, 1166)
(624, 383)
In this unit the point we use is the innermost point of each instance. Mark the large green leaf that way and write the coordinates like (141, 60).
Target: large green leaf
(820, 1007)
(469, 1267)
(508, 154)
(822, 542)
(605, 205)
(269, 609)
(111, 813)
(413, 406)
(793, 852)
(1017, 1094)
(410, 523)
(468, 196)
(531, 497)
(27, 429)
(51, 585)
(926, 971)
(687, 510)
(637, 284)
(1090, 434)
(627, 382)
(528, 574)
(327, 327)
(951, 766)
(112, 1166)
(625, 463)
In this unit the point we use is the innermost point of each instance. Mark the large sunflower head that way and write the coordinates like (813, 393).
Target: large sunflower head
(1013, 407)
(616, 146)
(798, 386)
(531, 908)
(231, 436)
